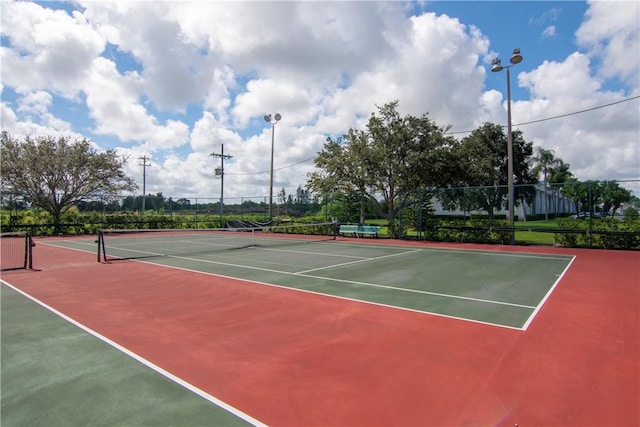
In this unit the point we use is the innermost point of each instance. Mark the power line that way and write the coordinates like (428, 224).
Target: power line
(276, 169)
(468, 131)
(560, 116)
(578, 112)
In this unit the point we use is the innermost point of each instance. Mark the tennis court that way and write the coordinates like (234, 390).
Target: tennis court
(211, 328)
(499, 288)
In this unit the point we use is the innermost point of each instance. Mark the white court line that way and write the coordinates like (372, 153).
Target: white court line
(145, 362)
(357, 262)
(535, 309)
(352, 282)
(547, 295)
(312, 253)
(326, 295)
(465, 251)
(416, 291)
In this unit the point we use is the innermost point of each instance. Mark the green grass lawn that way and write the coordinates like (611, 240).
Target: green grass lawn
(535, 237)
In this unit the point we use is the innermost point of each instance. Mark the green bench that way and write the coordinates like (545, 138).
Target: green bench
(359, 230)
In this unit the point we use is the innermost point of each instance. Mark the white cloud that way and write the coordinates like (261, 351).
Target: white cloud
(549, 31)
(549, 15)
(193, 76)
(611, 33)
(113, 98)
(50, 49)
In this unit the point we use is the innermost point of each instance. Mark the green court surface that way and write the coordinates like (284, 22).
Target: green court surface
(56, 373)
(499, 288)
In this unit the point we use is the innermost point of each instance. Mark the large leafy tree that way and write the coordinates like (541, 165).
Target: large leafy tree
(54, 173)
(484, 156)
(585, 195)
(590, 194)
(613, 196)
(387, 162)
(339, 170)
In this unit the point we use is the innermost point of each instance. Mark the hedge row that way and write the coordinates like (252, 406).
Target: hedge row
(605, 233)
(475, 230)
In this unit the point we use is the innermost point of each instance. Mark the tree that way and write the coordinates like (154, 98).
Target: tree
(282, 198)
(613, 196)
(484, 156)
(585, 195)
(302, 200)
(542, 163)
(340, 169)
(559, 175)
(386, 163)
(56, 173)
(183, 204)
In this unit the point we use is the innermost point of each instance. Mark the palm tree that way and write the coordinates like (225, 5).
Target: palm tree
(559, 175)
(543, 162)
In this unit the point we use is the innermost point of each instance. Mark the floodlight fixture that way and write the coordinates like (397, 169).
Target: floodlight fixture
(516, 58)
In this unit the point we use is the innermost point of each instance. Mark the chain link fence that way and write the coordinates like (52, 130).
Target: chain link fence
(591, 213)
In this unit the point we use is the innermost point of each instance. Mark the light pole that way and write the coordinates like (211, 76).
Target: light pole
(516, 58)
(272, 121)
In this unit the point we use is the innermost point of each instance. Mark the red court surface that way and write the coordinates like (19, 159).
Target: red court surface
(291, 358)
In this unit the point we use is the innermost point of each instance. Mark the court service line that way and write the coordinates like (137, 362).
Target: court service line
(313, 253)
(476, 252)
(310, 276)
(144, 361)
(360, 261)
(417, 291)
(327, 295)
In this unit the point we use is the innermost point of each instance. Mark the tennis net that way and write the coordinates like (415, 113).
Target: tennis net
(16, 251)
(118, 244)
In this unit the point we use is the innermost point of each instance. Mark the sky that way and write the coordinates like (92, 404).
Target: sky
(177, 81)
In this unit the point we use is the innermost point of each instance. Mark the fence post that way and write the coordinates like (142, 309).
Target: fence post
(400, 209)
(419, 237)
(590, 214)
(464, 206)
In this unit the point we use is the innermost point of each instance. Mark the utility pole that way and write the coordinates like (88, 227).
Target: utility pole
(220, 171)
(144, 179)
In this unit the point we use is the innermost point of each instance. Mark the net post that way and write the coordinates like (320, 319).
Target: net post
(100, 242)
(26, 251)
(29, 252)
